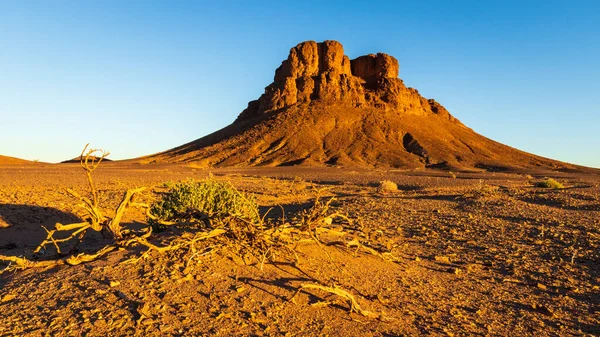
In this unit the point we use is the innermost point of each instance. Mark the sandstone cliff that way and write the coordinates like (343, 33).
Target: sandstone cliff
(321, 72)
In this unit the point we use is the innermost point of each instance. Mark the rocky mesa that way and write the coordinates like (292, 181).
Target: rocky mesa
(321, 72)
(325, 109)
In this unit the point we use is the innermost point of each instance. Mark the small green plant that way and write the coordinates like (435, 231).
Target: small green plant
(387, 186)
(549, 183)
(205, 200)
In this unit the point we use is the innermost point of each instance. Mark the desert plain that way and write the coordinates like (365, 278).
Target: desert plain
(446, 253)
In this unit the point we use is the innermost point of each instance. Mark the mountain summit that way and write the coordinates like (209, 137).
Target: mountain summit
(321, 72)
(325, 109)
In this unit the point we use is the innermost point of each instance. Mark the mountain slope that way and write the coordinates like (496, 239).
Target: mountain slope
(325, 109)
(6, 160)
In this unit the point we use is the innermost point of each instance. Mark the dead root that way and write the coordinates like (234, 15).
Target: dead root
(16, 262)
(84, 258)
(265, 242)
(262, 241)
(387, 256)
(354, 306)
(184, 242)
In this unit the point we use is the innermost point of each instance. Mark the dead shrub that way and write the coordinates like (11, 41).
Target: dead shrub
(95, 220)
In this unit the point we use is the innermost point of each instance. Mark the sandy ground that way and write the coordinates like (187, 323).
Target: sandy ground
(478, 254)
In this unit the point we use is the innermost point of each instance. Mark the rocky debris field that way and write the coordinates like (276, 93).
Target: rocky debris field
(451, 254)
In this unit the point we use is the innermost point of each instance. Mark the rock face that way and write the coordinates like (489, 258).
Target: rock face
(321, 72)
(372, 67)
(325, 109)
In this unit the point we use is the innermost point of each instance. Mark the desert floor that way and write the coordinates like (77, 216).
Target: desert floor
(447, 254)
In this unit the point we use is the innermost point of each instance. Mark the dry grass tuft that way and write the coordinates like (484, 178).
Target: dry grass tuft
(549, 183)
(387, 186)
(482, 190)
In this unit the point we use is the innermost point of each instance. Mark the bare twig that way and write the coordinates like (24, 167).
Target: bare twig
(90, 165)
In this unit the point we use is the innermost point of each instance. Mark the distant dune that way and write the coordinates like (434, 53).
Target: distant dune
(6, 160)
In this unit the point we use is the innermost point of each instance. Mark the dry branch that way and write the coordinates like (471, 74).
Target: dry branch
(83, 258)
(114, 225)
(354, 306)
(387, 256)
(22, 263)
(95, 221)
(143, 240)
(90, 165)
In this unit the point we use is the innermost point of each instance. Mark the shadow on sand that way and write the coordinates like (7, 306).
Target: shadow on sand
(22, 229)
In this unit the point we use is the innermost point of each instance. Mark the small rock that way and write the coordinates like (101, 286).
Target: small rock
(100, 323)
(8, 297)
(542, 309)
(443, 259)
(147, 321)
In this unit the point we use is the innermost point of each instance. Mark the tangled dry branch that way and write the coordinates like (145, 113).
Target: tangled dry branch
(95, 220)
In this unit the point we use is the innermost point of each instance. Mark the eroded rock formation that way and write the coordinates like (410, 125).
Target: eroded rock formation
(320, 71)
(324, 109)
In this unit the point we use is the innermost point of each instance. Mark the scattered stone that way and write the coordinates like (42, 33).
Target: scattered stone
(7, 298)
(442, 259)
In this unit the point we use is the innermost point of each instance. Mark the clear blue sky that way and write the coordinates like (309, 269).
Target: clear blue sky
(139, 77)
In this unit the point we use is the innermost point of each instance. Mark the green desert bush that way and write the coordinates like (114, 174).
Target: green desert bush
(203, 200)
(387, 186)
(549, 183)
